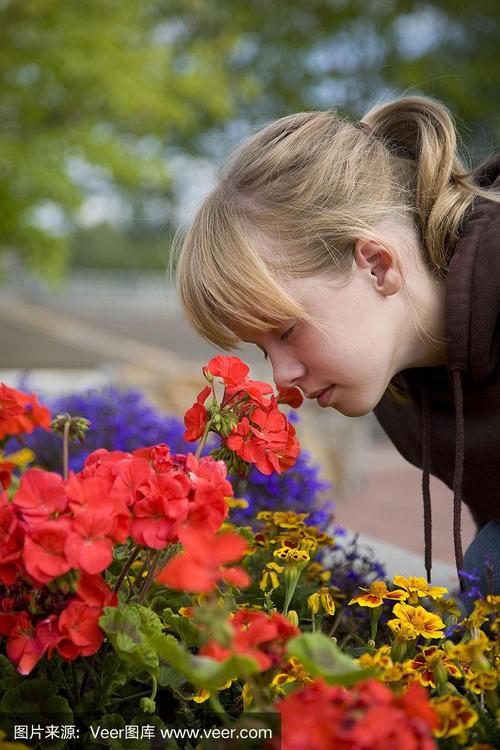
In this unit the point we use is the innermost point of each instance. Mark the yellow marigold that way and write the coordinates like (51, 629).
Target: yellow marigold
(432, 661)
(455, 716)
(317, 572)
(471, 655)
(246, 695)
(288, 519)
(294, 672)
(292, 556)
(399, 673)
(423, 622)
(203, 695)
(379, 660)
(482, 681)
(269, 580)
(319, 536)
(447, 607)
(484, 610)
(264, 515)
(375, 595)
(321, 599)
(19, 458)
(418, 587)
(236, 502)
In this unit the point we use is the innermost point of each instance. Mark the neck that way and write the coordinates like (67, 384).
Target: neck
(424, 339)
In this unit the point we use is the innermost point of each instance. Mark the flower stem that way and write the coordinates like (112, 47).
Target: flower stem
(204, 439)
(67, 425)
(126, 568)
(219, 709)
(291, 585)
(375, 616)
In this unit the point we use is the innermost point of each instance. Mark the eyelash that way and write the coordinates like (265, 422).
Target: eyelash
(287, 333)
(283, 337)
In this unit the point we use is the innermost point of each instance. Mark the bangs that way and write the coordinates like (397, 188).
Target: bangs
(227, 280)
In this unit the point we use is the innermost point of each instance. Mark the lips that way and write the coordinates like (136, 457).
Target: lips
(323, 396)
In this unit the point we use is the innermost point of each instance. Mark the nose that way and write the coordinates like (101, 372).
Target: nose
(287, 371)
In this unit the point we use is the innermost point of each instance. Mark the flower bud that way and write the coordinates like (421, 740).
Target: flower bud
(293, 617)
(147, 705)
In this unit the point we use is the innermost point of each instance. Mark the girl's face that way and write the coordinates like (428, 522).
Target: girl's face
(361, 337)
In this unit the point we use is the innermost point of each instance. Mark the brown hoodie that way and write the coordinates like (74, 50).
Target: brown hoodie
(450, 424)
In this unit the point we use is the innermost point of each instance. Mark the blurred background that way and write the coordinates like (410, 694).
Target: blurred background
(113, 119)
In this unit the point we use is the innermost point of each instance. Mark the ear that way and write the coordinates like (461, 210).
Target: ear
(382, 265)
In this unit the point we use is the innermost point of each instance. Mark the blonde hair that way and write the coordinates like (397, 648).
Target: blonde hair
(294, 199)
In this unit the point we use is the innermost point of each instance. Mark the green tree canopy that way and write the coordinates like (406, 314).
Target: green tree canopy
(97, 92)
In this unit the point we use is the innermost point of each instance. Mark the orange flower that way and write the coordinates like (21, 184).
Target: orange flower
(377, 592)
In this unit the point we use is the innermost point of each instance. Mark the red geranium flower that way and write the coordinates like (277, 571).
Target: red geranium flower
(266, 439)
(208, 507)
(43, 553)
(88, 545)
(11, 542)
(80, 631)
(290, 396)
(231, 369)
(6, 469)
(20, 412)
(27, 643)
(41, 495)
(94, 591)
(195, 420)
(366, 717)
(257, 635)
(158, 456)
(158, 517)
(201, 565)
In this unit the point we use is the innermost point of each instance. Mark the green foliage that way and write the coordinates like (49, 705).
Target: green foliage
(31, 703)
(130, 630)
(322, 658)
(96, 93)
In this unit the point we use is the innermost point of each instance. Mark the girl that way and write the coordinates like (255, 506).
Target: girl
(364, 260)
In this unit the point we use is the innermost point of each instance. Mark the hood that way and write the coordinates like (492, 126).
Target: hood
(472, 308)
(473, 287)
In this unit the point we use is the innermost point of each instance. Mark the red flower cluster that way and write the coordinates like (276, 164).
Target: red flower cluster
(66, 530)
(36, 621)
(20, 412)
(258, 433)
(366, 717)
(257, 635)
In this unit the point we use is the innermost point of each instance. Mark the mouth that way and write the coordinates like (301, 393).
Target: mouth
(323, 396)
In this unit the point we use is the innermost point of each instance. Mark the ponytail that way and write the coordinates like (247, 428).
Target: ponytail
(422, 131)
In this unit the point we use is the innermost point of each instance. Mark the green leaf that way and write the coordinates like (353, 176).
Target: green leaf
(8, 675)
(202, 671)
(130, 629)
(183, 627)
(35, 702)
(323, 658)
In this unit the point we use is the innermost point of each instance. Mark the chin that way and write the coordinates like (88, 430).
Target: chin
(356, 407)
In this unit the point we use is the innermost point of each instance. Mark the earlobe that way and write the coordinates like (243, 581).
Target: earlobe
(374, 258)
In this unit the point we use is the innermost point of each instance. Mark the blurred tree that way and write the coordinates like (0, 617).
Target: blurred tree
(93, 93)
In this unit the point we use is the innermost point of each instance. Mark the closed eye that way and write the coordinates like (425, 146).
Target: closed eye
(286, 334)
